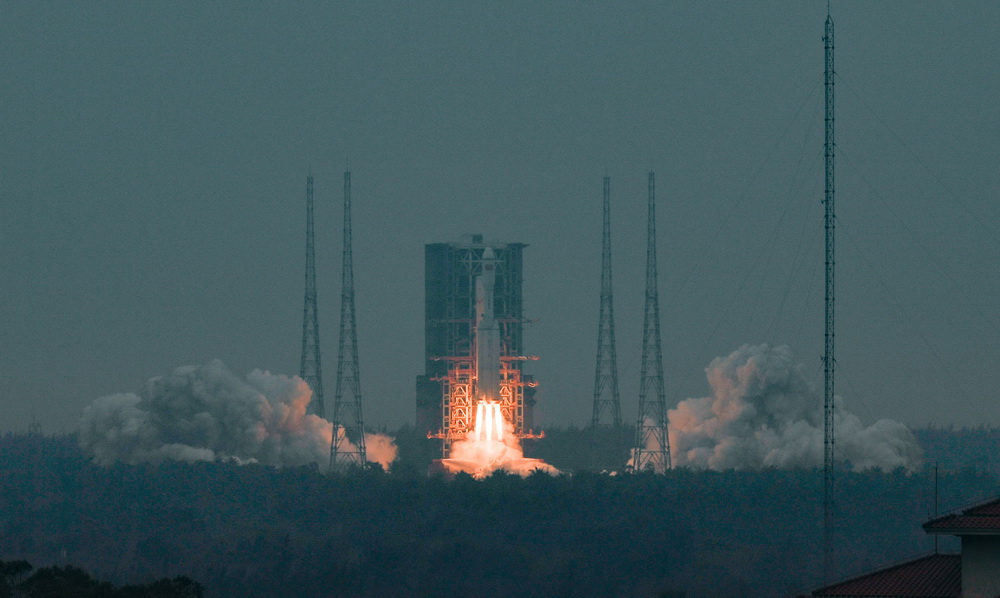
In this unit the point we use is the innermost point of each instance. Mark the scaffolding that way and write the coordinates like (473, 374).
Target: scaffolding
(459, 395)
(447, 393)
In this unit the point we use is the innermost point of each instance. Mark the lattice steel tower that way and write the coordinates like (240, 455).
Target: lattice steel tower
(310, 369)
(348, 446)
(652, 443)
(829, 362)
(606, 372)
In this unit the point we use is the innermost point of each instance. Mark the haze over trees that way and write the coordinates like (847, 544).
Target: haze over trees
(17, 579)
(255, 530)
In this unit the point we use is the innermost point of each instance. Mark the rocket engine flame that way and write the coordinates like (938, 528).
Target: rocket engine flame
(492, 446)
(493, 443)
(489, 421)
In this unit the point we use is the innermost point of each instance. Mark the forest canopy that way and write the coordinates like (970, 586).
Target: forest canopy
(257, 530)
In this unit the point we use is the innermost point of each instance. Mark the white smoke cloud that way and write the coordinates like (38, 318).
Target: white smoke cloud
(203, 413)
(653, 446)
(764, 413)
(379, 448)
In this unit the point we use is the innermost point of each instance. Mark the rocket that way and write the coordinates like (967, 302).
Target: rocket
(487, 338)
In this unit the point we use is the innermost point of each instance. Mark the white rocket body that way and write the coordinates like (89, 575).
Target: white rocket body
(487, 333)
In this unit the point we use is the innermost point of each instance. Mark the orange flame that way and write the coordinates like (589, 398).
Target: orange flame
(489, 421)
(492, 445)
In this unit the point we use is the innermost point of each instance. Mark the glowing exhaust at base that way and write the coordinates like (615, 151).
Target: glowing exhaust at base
(489, 447)
(489, 421)
(489, 378)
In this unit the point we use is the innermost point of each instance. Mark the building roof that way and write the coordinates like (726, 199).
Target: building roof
(932, 576)
(982, 519)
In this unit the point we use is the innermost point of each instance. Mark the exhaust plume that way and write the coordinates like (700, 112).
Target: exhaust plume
(203, 413)
(492, 446)
(764, 413)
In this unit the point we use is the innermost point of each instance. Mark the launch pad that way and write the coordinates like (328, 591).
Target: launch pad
(474, 396)
(474, 342)
(490, 446)
(451, 467)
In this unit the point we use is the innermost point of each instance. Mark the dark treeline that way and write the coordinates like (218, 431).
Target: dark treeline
(955, 448)
(256, 531)
(19, 580)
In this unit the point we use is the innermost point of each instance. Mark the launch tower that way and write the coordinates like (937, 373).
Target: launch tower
(473, 339)
(348, 425)
(829, 362)
(652, 443)
(606, 403)
(310, 369)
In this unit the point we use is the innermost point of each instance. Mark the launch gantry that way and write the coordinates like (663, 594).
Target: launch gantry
(473, 340)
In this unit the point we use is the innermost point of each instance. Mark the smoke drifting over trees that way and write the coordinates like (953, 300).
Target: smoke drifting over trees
(764, 413)
(202, 413)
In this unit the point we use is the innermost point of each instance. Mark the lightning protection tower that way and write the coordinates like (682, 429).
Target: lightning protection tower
(652, 444)
(310, 369)
(348, 445)
(606, 402)
(829, 362)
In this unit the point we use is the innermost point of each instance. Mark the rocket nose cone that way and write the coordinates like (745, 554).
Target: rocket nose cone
(488, 254)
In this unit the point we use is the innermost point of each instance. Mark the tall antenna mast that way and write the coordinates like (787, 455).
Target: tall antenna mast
(310, 369)
(829, 362)
(348, 425)
(652, 443)
(606, 374)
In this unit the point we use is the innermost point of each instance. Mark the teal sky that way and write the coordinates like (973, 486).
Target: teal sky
(152, 183)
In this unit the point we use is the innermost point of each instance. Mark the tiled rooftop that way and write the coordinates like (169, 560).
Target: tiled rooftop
(982, 518)
(933, 576)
